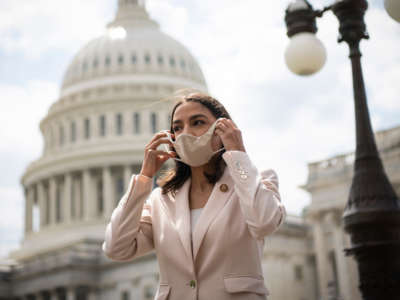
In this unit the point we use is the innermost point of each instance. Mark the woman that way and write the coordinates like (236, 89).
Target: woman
(208, 219)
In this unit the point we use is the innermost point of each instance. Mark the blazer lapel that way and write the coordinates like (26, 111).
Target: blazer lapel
(214, 205)
(182, 215)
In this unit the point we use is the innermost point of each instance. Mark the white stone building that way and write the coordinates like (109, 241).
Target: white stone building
(94, 136)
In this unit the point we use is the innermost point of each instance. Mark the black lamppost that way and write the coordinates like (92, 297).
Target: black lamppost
(372, 214)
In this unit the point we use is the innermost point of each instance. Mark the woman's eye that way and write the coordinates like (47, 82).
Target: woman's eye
(198, 122)
(175, 129)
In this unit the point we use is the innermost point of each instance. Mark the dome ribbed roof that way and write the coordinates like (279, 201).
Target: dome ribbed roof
(132, 45)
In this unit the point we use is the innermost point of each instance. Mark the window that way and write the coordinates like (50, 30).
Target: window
(100, 203)
(136, 123)
(95, 63)
(172, 61)
(147, 59)
(73, 131)
(119, 124)
(108, 61)
(73, 198)
(298, 272)
(153, 122)
(58, 203)
(120, 59)
(47, 193)
(61, 135)
(183, 64)
(51, 137)
(160, 60)
(134, 59)
(148, 292)
(169, 121)
(120, 188)
(84, 66)
(125, 295)
(102, 125)
(87, 129)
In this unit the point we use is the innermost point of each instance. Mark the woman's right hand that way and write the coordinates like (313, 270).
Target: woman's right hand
(153, 158)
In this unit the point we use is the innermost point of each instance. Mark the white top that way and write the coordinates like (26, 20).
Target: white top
(194, 216)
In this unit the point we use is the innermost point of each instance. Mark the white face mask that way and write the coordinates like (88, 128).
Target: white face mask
(194, 150)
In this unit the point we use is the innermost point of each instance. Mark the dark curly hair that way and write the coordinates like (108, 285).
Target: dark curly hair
(174, 178)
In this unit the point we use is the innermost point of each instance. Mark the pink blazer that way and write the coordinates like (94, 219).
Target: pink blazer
(225, 260)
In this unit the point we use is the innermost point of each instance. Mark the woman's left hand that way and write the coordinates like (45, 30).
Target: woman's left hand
(230, 135)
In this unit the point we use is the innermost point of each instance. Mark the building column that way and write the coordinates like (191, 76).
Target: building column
(42, 204)
(92, 295)
(146, 122)
(39, 296)
(77, 190)
(71, 294)
(29, 199)
(53, 295)
(87, 195)
(67, 203)
(322, 259)
(334, 220)
(127, 176)
(52, 200)
(108, 195)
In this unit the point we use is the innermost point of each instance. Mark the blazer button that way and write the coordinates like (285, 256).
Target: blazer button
(192, 284)
(223, 188)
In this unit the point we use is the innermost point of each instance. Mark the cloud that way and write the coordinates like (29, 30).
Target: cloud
(21, 144)
(11, 223)
(34, 27)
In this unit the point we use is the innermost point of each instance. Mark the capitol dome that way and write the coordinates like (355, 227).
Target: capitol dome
(115, 96)
(132, 47)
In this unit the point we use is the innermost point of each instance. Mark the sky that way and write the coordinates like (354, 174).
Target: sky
(287, 121)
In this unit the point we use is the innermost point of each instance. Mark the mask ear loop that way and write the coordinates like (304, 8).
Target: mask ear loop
(215, 152)
(166, 146)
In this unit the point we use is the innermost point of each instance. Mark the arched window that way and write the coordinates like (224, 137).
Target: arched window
(120, 59)
(169, 121)
(153, 121)
(61, 131)
(148, 292)
(119, 121)
(172, 61)
(47, 213)
(95, 63)
(125, 295)
(100, 201)
(87, 129)
(160, 60)
(102, 126)
(119, 188)
(183, 64)
(136, 123)
(58, 203)
(134, 59)
(147, 59)
(73, 131)
(108, 61)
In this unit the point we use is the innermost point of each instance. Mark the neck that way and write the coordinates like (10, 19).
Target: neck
(198, 181)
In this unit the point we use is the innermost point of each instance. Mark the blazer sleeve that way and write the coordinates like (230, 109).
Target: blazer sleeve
(129, 234)
(258, 193)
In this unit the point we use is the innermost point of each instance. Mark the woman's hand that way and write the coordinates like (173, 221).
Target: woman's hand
(230, 135)
(153, 158)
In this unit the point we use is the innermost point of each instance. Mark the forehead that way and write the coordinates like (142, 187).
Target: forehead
(187, 109)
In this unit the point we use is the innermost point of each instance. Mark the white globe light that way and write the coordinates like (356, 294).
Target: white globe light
(393, 9)
(305, 54)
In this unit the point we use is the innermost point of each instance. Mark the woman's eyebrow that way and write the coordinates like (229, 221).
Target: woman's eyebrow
(191, 118)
